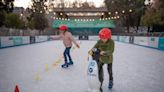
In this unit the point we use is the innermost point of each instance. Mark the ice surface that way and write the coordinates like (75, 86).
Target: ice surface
(37, 68)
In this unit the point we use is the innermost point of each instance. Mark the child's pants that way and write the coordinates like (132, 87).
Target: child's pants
(67, 53)
(101, 72)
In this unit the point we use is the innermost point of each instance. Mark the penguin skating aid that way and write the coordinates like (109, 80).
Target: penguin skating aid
(92, 72)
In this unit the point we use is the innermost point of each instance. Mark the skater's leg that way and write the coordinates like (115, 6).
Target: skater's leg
(110, 75)
(110, 71)
(69, 56)
(65, 55)
(101, 74)
(65, 58)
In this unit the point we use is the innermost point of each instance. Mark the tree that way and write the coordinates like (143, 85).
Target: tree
(2, 18)
(130, 11)
(154, 15)
(160, 9)
(75, 4)
(79, 4)
(40, 21)
(5, 6)
(37, 19)
(14, 21)
(150, 18)
(30, 24)
(85, 5)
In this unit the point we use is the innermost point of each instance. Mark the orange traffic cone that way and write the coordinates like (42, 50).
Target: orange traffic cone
(16, 88)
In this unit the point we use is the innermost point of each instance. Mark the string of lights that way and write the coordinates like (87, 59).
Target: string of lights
(101, 19)
(97, 14)
(115, 15)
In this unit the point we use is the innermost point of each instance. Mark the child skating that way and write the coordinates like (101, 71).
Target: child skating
(106, 47)
(68, 39)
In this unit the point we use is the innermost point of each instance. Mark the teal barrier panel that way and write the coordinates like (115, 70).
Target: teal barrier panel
(17, 40)
(161, 43)
(0, 42)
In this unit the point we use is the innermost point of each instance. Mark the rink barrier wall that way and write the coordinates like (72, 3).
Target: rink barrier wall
(93, 38)
(161, 43)
(147, 41)
(12, 41)
(151, 42)
(41, 39)
(9, 41)
(124, 39)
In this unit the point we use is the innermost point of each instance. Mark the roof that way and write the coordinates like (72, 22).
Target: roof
(72, 23)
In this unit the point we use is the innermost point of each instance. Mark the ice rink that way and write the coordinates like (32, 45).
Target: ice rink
(37, 68)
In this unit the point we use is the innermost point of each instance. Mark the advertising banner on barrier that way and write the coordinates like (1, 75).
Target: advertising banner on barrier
(124, 39)
(6, 41)
(17, 40)
(161, 43)
(147, 41)
(141, 41)
(41, 38)
(153, 42)
(25, 40)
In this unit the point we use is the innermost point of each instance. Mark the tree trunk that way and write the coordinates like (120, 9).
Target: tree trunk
(138, 22)
(148, 29)
(127, 28)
